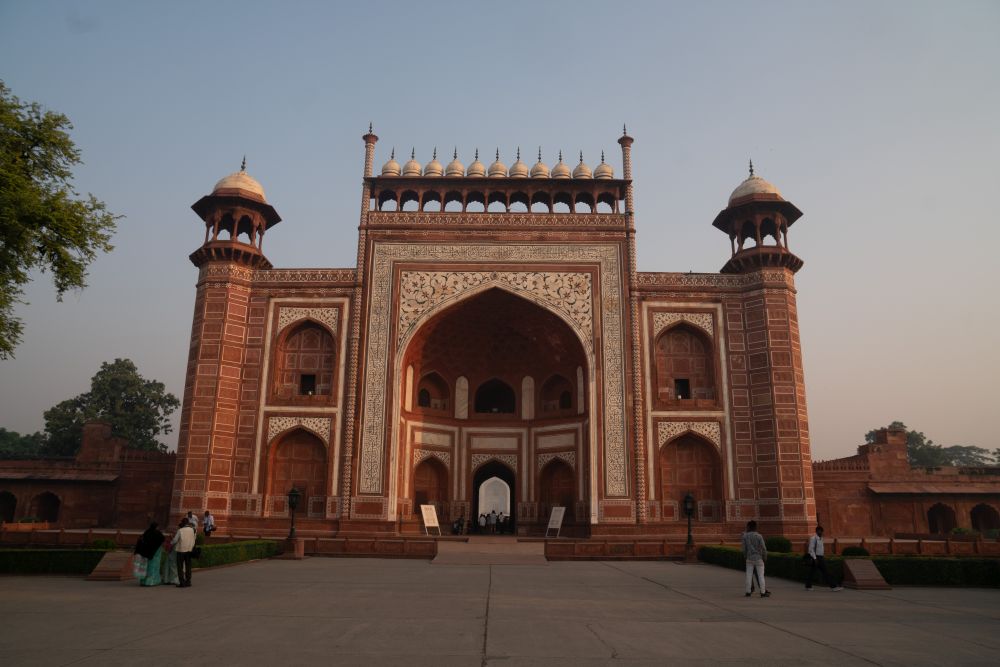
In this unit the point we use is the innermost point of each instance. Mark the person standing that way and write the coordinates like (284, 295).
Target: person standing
(183, 544)
(755, 553)
(209, 524)
(482, 524)
(817, 562)
(193, 521)
(492, 520)
(500, 524)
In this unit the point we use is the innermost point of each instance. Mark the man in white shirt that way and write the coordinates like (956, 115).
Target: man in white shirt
(183, 544)
(818, 562)
(193, 520)
(209, 524)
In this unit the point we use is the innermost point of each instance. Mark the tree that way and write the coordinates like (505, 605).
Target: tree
(137, 409)
(44, 224)
(13, 445)
(923, 453)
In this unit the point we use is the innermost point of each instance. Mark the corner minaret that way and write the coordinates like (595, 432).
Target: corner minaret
(757, 212)
(236, 216)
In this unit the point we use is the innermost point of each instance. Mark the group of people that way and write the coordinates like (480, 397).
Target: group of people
(494, 523)
(755, 553)
(156, 561)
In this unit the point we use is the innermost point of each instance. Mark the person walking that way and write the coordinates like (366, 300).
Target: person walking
(492, 519)
(817, 562)
(209, 524)
(183, 544)
(482, 524)
(755, 553)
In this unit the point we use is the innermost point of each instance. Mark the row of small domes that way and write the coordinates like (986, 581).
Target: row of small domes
(498, 169)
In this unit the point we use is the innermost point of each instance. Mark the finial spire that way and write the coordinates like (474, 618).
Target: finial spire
(751, 166)
(518, 153)
(435, 156)
(454, 155)
(413, 153)
(477, 153)
(560, 155)
(539, 153)
(498, 153)
(392, 155)
(602, 157)
(581, 157)
(369, 127)
(624, 130)
(243, 167)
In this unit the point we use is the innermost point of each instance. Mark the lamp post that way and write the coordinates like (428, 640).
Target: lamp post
(293, 502)
(689, 510)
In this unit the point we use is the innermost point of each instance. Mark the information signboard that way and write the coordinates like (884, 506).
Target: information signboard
(555, 520)
(429, 512)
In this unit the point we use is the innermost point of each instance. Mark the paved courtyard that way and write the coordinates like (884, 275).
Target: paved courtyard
(394, 612)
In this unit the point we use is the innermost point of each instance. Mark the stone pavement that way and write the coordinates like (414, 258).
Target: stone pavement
(490, 550)
(323, 611)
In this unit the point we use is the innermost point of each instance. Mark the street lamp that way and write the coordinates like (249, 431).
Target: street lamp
(689, 510)
(293, 502)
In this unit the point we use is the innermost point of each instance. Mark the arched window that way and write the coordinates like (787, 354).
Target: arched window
(305, 363)
(495, 397)
(985, 517)
(692, 465)
(433, 393)
(8, 503)
(299, 460)
(684, 366)
(45, 507)
(557, 394)
(940, 519)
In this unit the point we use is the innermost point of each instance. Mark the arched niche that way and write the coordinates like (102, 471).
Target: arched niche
(941, 519)
(984, 517)
(298, 458)
(433, 393)
(304, 362)
(556, 487)
(495, 397)
(556, 396)
(685, 366)
(430, 485)
(691, 464)
(45, 507)
(8, 505)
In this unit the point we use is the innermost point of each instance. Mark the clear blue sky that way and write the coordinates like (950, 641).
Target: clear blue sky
(878, 119)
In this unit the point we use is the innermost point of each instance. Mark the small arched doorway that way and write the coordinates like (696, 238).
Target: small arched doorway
(8, 503)
(299, 460)
(691, 464)
(556, 488)
(493, 482)
(985, 517)
(45, 507)
(430, 486)
(940, 519)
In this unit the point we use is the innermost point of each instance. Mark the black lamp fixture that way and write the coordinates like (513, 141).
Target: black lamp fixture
(689, 510)
(293, 502)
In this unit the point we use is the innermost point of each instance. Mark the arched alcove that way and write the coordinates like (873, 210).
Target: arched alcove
(685, 366)
(298, 459)
(941, 519)
(984, 517)
(495, 397)
(304, 361)
(691, 464)
(433, 393)
(556, 396)
(556, 487)
(430, 485)
(45, 507)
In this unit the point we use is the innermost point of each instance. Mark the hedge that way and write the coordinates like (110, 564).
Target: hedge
(213, 555)
(49, 561)
(896, 570)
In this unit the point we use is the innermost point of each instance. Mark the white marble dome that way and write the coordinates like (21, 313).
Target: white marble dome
(240, 180)
(755, 185)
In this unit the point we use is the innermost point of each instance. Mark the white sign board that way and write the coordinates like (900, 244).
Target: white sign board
(430, 515)
(555, 520)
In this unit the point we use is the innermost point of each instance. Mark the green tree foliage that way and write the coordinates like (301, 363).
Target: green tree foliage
(44, 223)
(13, 445)
(137, 409)
(923, 453)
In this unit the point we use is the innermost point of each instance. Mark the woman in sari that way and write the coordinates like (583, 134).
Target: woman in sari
(169, 570)
(150, 547)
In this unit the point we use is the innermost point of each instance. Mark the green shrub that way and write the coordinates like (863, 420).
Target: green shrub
(896, 570)
(107, 545)
(49, 561)
(213, 555)
(958, 530)
(779, 544)
(991, 533)
(853, 552)
(29, 519)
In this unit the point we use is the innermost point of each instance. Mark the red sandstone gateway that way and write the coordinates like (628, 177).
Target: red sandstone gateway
(495, 349)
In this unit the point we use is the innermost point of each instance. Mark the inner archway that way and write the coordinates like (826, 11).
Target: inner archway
(45, 507)
(940, 519)
(985, 517)
(489, 482)
(299, 460)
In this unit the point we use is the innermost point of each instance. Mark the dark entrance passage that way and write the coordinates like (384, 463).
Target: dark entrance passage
(485, 473)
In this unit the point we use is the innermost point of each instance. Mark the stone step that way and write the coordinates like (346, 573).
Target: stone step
(490, 551)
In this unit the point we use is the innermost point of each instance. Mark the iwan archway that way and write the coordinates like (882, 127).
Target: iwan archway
(494, 385)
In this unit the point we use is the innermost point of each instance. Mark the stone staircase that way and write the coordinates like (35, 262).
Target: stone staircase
(490, 550)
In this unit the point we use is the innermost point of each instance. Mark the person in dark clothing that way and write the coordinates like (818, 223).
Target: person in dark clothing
(817, 562)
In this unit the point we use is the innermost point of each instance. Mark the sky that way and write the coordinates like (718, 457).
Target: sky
(879, 120)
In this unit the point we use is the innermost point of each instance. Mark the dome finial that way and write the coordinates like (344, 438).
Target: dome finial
(539, 153)
(624, 130)
(454, 155)
(413, 153)
(560, 155)
(369, 127)
(435, 155)
(498, 153)
(602, 157)
(392, 155)
(477, 153)
(243, 167)
(581, 156)
(751, 167)
(518, 152)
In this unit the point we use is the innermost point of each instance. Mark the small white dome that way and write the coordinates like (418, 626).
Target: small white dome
(561, 170)
(498, 169)
(434, 167)
(391, 168)
(518, 169)
(240, 180)
(454, 168)
(604, 170)
(477, 169)
(412, 167)
(582, 170)
(755, 185)
(540, 170)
